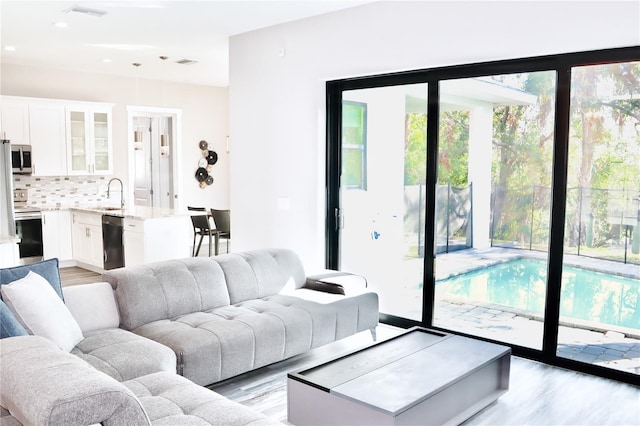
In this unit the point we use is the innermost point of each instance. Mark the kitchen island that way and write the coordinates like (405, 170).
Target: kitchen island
(148, 235)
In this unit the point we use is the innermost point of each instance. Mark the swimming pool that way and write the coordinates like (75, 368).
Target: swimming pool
(521, 284)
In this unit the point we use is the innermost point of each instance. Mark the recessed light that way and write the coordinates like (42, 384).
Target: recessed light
(10, 48)
(60, 24)
(106, 60)
(186, 62)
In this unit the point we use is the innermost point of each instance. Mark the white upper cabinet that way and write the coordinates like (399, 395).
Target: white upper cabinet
(15, 121)
(41, 124)
(66, 137)
(89, 142)
(48, 141)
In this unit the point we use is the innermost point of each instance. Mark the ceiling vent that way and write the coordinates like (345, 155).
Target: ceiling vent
(186, 62)
(86, 11)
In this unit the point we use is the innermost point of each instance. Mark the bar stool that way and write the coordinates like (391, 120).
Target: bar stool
(202, 228)
(222, 220)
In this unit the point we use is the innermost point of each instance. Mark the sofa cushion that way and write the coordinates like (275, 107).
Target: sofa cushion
(124, 355)
(231, 340)
(41, 311)
(260, 273)
(162, 290)
(9, 324)
(47, 269)
(42, 385)
(92, 305)
(170, 399)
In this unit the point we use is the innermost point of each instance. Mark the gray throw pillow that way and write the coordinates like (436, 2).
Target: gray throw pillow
(9, 325)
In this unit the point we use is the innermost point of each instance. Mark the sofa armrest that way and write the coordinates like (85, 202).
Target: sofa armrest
(92, 305)
(336, 282)
(42, 384)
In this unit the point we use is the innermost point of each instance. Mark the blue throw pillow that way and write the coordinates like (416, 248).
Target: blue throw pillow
(47, 269)
(9, 325)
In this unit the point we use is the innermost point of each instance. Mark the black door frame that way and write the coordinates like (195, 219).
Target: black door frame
(562, 65)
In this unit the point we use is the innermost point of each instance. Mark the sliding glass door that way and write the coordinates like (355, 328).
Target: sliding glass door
(382, 192)
(493, 201)
(498, 200)
(600, 299)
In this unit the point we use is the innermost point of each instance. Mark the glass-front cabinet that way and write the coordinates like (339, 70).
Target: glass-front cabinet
(89, 140)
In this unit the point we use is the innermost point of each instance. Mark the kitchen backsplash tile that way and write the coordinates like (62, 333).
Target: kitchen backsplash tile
(63, 191)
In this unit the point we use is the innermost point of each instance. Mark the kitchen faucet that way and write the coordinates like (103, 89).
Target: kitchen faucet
(121, 191)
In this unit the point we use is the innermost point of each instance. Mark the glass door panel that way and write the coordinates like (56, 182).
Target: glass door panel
(493, 205)
(600, 298)
(101, 141)
(382, 193)
(78, 135)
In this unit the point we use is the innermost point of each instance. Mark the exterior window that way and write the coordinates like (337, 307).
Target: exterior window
(354, 145)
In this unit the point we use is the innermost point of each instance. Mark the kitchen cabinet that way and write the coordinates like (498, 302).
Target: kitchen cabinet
(48, 139)
(86, 230)
(41, 124)
(156, 239)
(67, 137)
(89, 142)
(56, 235)
(14, 116)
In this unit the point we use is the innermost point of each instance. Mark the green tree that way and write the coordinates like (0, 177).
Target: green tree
(453, 150)
(522, 138)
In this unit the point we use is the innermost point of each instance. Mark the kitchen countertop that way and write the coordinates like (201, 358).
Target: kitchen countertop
(135, 212)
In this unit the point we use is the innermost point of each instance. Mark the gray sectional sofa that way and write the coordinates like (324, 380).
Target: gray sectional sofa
(206, 319)
(233, 313)
(44, 385)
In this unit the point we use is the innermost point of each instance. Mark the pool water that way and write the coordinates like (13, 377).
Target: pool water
(521, 284)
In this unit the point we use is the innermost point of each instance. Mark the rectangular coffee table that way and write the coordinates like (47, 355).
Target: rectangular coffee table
(421, 377)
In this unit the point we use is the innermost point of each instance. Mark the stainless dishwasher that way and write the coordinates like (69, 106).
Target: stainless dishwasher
(112, 227)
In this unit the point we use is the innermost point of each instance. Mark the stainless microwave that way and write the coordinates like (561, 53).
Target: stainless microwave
(21, 159)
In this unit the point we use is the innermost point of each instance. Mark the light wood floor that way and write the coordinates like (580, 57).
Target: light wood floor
(74, 275)
(538, 395)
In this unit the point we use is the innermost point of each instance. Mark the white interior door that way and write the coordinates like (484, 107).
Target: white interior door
(153, 168)
(143, 189)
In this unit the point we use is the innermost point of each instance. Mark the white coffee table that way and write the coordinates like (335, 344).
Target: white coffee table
(421, 377)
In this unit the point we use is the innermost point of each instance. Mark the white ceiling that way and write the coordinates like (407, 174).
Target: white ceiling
(141, 32)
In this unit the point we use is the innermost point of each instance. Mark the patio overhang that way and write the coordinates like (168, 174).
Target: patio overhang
(467, 93)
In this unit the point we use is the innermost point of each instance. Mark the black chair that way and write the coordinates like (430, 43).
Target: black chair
(202, 227)
(222, 220)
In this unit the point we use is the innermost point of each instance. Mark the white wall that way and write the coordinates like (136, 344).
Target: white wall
(277, 103)
(204, 112)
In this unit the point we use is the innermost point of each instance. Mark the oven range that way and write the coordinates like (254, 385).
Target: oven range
(28, 229)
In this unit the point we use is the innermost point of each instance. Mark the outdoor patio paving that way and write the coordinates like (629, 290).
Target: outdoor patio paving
(610, 349)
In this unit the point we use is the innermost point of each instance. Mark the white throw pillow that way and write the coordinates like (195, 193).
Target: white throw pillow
(41, 311)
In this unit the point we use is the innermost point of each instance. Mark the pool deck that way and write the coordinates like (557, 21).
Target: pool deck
(610, 349)
(618, 349)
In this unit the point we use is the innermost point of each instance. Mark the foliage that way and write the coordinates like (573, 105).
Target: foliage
(453, 160)
(415, 149)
